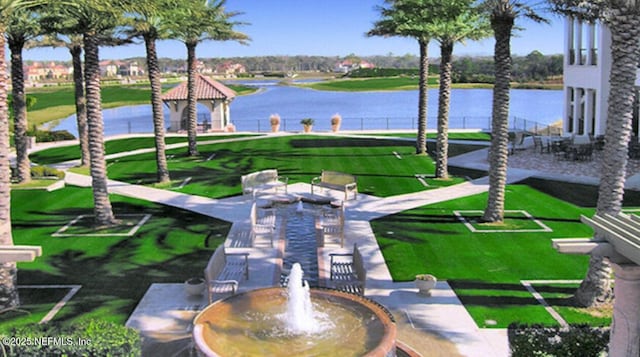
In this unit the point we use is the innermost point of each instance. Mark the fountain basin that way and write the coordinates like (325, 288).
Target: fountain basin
(248, 324)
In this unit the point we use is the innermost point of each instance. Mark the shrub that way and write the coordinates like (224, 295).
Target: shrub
(45, 171)
(307, 121)
(44, 136)
(577, 340)
(87, 338)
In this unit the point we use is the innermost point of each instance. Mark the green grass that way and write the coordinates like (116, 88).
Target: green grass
(300, 158)
(72, 152)
(485, 269)
(114, 272)
(52, 105)
(371, 84)
(474, 136)
(59, 103)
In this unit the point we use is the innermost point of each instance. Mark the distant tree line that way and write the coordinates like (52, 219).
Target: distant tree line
(533, 67)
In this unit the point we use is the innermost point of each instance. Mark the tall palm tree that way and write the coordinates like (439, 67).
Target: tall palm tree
(22, 26)
(466, 22)
(192, 24)
(411, 18)
(147, 22)
(623, 20)
(93, 18)
(73, 42)
(9, 298)
(502, 15)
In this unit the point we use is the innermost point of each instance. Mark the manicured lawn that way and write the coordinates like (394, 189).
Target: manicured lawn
(58, 103)
(72, 152)
(114, 271)
(379, 171)
(371, 84)
(484, 268)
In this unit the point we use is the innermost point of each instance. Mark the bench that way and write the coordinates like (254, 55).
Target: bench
(262, 224)
(263, 181)
(332, 225)
(347, 271)
(336, 181)
(224, 271)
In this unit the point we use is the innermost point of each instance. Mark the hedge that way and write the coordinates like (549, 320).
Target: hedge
(86, 338)
(578, 340)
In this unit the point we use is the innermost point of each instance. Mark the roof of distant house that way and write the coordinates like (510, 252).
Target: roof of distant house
(206, 88)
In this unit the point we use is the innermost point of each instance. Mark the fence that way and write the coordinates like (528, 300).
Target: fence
(390, 123)
(143, 124)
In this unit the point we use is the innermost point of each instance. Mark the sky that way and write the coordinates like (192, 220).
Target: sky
(323, 28)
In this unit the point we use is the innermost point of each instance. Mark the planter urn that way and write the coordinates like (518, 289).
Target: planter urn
(424, 283)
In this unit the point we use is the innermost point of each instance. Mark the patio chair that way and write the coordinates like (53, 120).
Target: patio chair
(542, 144)
(516, 141)
(584, 152)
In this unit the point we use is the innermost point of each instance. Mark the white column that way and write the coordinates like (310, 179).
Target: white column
(625, 335)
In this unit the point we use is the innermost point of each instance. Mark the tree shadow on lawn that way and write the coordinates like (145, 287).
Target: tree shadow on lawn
(348, 142)
(405, 217)
(499, 297)
(500, 294)
(114, 281)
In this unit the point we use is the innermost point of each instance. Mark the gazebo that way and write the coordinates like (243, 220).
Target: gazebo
(210, 93)
(617, 238)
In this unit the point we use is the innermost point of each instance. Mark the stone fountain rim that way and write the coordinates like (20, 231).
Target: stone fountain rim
(387, 342)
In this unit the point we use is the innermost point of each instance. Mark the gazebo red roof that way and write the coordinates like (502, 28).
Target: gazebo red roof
(206, 88)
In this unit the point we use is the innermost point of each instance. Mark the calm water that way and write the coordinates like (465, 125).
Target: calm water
(470, 108)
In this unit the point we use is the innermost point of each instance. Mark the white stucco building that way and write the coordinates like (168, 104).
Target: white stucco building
(587, 65)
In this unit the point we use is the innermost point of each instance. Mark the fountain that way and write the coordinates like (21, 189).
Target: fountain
(296, 321)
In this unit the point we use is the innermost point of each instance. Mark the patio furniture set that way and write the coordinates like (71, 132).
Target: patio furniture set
(574, 148)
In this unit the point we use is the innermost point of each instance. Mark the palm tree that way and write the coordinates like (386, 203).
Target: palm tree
(9, 298)
(623, 20)
(502, 15)
(192, 24)
(22, 26)
(411, 18)
(147, 22)
(466, 23)
(93, 19)
(73, 42)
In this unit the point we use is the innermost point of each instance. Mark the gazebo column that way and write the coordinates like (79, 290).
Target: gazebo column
(625, 331)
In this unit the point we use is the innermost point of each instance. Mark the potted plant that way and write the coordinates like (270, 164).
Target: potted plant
(307, 124)
(424, 283)
(274, 120)
(194, 286)
(336, 119)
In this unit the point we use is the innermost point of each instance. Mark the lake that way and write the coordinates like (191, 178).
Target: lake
(470, 108)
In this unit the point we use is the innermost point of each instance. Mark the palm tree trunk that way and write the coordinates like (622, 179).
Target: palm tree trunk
(23, 165)
(8, 272)
(421, 141)
(625, 30)
(498, 152)
(444, 98)
(156, 105)
(102, 205)
(192, 101)
(81, 104)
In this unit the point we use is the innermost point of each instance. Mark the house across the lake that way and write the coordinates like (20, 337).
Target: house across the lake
(213, 95)
(587, 66)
